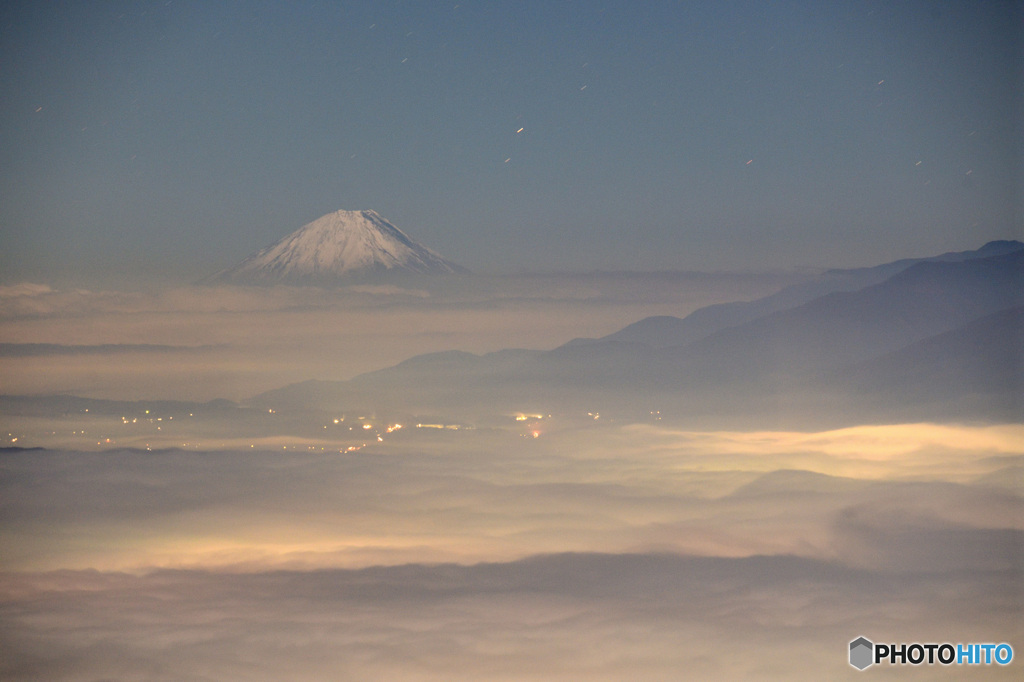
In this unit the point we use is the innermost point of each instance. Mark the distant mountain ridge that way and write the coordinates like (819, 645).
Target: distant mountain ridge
(921, 340)
(338, 247)
(966, 362)
(930, 297)
(899, 346)
(665, 331)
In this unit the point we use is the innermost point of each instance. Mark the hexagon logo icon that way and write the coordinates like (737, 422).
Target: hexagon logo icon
(861, 653)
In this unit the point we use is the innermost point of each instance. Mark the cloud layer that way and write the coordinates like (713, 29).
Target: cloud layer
(601, 553)
(240, 341)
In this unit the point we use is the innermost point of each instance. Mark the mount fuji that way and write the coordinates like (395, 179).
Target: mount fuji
(339, 246)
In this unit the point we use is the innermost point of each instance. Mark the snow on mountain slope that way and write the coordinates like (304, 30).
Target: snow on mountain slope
(339, 245)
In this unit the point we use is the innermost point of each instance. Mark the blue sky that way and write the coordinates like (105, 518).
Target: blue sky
(166, 140)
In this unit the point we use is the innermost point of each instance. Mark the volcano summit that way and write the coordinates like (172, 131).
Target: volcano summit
(340, 246)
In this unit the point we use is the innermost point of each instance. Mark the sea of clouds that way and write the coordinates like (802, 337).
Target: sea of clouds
(608, 552)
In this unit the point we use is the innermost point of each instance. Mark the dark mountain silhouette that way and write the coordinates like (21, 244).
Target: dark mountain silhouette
(847, 327)
(667, 331)
(975, 368)
(836, 357)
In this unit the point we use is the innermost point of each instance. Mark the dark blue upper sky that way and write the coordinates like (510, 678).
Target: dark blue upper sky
(169, 139)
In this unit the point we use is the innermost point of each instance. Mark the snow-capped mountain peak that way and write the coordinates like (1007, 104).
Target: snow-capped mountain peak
(337, 246)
